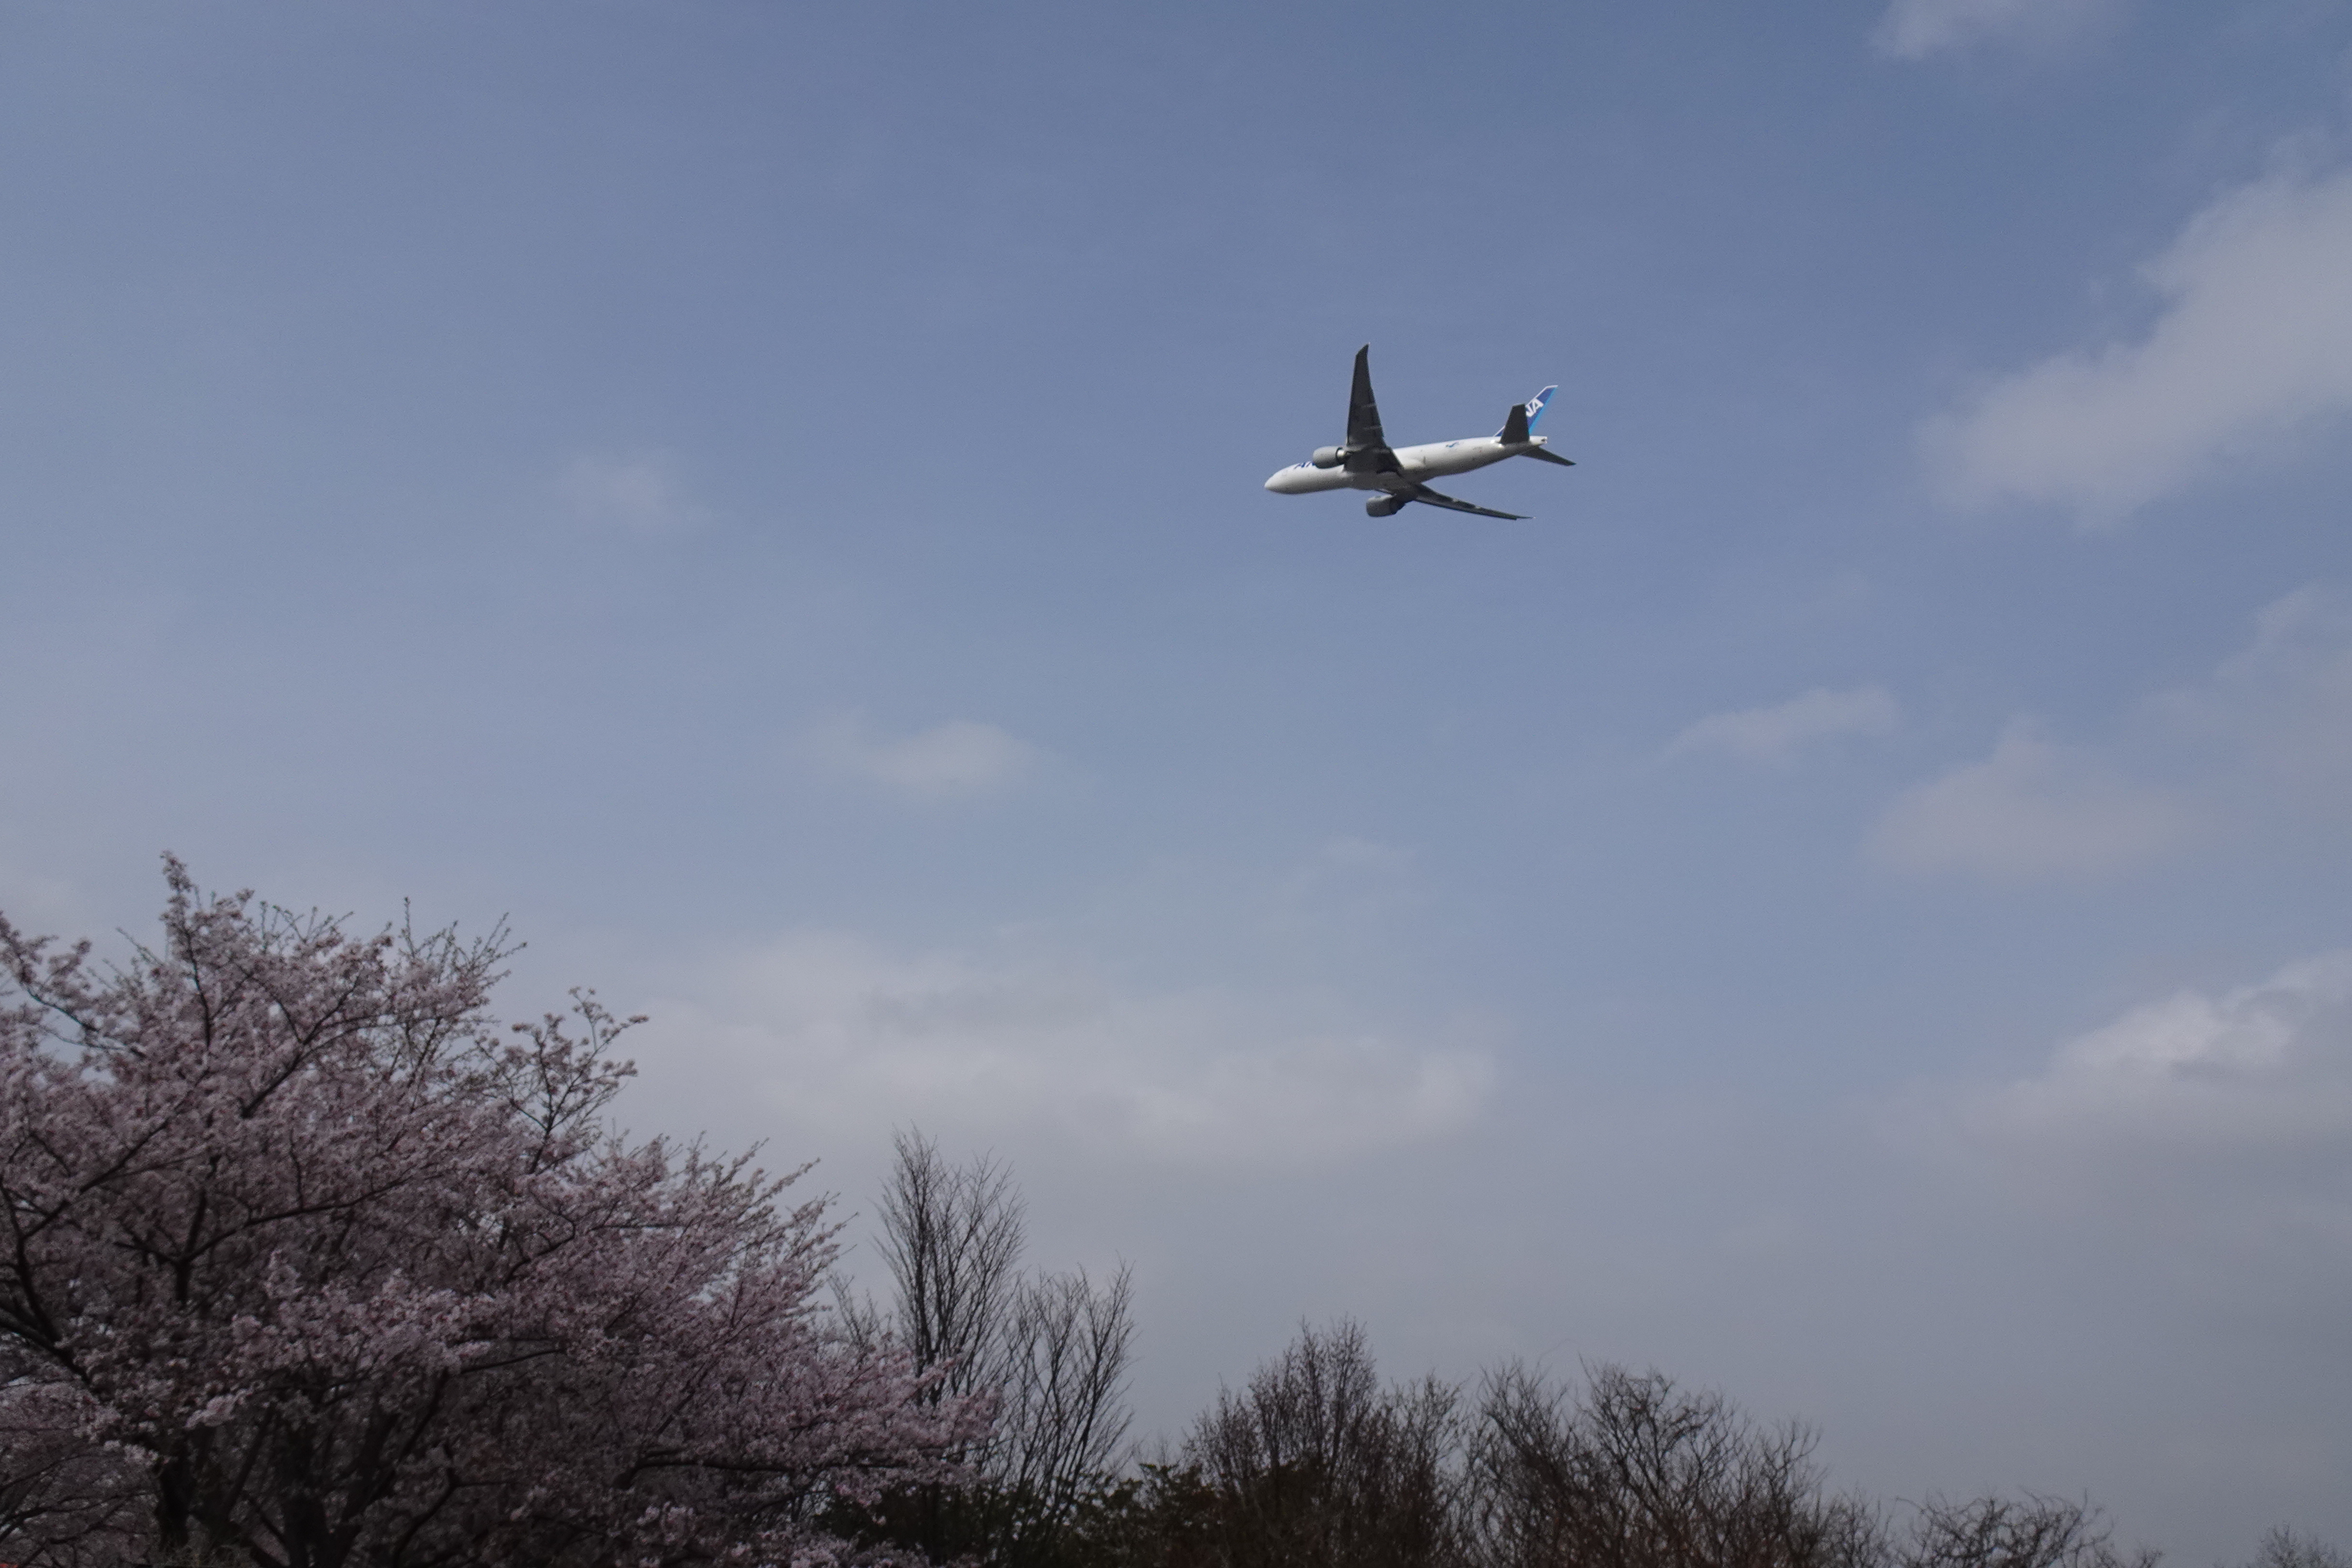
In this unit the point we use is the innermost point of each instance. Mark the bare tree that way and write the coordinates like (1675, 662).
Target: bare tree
(1636, 1473)
(2028, 1531)
(952, 1235)
(2285, 1549)
(1313, 1465)
(1052, 1350)
(1065, 1413)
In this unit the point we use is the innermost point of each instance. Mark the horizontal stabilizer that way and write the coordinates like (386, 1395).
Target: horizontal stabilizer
(1548, 457)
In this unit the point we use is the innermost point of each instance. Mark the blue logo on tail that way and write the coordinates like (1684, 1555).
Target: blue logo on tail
(1536, 405)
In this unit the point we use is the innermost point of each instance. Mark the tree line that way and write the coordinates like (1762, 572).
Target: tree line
(311, 1262)
(1315, 1462)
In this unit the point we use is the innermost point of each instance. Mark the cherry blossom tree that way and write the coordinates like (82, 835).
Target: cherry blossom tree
(308, 1263)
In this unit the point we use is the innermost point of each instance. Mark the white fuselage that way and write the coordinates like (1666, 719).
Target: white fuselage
(1415, 465)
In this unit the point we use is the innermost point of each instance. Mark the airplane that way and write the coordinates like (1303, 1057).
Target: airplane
(1368, 463)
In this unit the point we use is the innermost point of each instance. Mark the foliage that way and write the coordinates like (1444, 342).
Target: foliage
(310, 1264)
(1316, 1464)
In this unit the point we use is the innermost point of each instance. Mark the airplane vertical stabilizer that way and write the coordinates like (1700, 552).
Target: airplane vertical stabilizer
(1522, 418)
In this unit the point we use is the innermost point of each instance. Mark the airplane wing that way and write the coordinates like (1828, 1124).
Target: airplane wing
(1428, 496)
(1364, 436)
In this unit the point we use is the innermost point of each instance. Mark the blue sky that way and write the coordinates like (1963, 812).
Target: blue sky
(1847, 905)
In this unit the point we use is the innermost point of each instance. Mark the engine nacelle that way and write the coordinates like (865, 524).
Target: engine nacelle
(1384, 506)
(1328, 456)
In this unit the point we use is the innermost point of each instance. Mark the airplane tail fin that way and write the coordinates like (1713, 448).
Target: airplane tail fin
(1523, 417)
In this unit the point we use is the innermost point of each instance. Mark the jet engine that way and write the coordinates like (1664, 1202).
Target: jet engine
(1384, 506)
(1328, 456)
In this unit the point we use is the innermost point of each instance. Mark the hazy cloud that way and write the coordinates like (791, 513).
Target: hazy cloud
(2030, 811)
(640, 492)
(2254, 343)
(2201, 1141)
(958, 760)
(1913, 29)
(2218, 1124)
(1774, 734)
(1347, 880)
(2267, 1066)
(839, 1031)
(2265, 739)
(2282, 707)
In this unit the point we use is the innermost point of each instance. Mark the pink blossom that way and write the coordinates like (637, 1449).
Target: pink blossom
(312, 1261)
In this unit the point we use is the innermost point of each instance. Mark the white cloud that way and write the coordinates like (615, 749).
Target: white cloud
(2203, 1139)
(1774, 734)
(2265, 1065)
(1913, 29)
(640, 492)
(2030, 811)
(958, 760)
(2255, 344)
(837, 1032)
